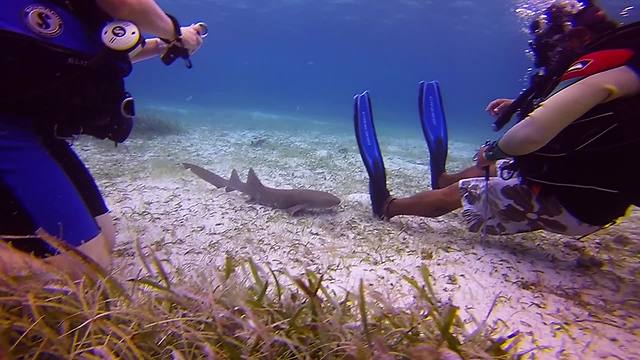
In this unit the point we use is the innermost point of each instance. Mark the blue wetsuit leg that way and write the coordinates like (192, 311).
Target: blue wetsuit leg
(40, 186)
(81, 177)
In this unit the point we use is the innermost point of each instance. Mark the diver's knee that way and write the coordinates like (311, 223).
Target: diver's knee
(97, 248)
(451, 197)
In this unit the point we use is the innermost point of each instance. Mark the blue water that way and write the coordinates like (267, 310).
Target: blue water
(308, 58)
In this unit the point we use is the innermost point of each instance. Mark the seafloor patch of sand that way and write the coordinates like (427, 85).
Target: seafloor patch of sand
(545, 285)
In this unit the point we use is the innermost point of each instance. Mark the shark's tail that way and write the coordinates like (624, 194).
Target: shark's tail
(206, 175)
(235, 184)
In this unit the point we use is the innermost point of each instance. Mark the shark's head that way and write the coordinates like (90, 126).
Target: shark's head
(326, 200)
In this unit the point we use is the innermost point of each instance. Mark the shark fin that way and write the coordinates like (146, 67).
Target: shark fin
(252, 180)
(235, 184)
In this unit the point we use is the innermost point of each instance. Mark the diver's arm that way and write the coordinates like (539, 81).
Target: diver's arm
(560, 110)
(191, 39)
(146, 14)
(150, 18)
(152, 48)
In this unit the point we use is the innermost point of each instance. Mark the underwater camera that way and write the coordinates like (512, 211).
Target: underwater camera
(176, 50)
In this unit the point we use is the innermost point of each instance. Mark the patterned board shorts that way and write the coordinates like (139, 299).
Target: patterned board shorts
(513, 207)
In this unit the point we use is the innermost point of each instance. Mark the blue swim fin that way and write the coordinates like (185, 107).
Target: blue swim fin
(370, 152)
(434, 128)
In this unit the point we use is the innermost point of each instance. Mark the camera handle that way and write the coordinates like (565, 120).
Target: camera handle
(177, 50)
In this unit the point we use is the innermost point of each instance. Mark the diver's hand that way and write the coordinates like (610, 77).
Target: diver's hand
(191, 38)
(481, 159)
(498, 106)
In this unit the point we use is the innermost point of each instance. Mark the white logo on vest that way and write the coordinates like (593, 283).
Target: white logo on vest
(43, 21)
(580, 65)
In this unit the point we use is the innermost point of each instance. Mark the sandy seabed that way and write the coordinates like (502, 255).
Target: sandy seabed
(546, 285)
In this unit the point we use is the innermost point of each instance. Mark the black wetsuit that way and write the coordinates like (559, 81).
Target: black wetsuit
(590, 165)
(55, 84)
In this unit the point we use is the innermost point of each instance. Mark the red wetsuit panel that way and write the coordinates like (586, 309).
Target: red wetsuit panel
(598, 61)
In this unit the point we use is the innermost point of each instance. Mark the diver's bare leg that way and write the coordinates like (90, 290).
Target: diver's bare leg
(426, 204)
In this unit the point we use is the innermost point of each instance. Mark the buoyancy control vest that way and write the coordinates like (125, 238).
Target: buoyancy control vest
(589, 165)
(57, 71)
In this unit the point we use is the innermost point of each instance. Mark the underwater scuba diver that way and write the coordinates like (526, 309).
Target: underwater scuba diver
(565, 166)
(63, 68)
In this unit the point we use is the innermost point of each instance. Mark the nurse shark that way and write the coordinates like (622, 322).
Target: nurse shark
(291, 200)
